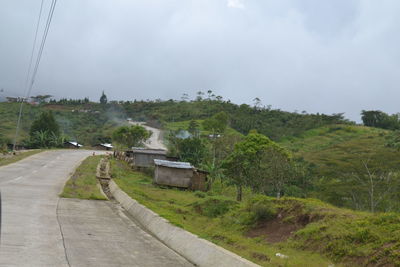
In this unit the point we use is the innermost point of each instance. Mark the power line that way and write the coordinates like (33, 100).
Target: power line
(28, 74)
(38, 58)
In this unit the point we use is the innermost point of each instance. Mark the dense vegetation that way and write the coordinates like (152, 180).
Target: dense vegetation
(335, 160)
(259, 227)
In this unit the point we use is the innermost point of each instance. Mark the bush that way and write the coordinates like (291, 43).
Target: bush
(200, 194)
(214, 206)
(261, 208)
(263, 212)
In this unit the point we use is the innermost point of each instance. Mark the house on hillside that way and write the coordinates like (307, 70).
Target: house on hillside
(16, 99)
(71, 144)
(143, 157)
(103, 146)
(179, 174)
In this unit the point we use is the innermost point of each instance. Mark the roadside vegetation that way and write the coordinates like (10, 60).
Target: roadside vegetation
(83, 183)
(308, 231)
(9, 158)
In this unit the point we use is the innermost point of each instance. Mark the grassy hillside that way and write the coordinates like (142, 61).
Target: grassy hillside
(183, 125)
(8, 120)
(337, 149)
(352, 166)
(86, 123)
(309, 232)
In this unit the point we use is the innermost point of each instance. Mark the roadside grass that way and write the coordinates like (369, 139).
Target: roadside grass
(83, 183)
(214, 216)
(14, 158)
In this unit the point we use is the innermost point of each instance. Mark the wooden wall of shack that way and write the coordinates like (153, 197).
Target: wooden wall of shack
(192, 179)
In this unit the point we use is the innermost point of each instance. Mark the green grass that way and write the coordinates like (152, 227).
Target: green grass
(8, 120)
(183, 125)
(337, 149)
(323, 234)
(19, 156)
(83, 183)
(215, 216)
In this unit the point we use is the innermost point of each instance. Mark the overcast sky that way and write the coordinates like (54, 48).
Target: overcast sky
(320, 56)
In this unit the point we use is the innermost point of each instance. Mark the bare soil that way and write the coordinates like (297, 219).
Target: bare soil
(279, 229)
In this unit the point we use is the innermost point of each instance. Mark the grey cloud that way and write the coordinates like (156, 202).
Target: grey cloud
(295, 55)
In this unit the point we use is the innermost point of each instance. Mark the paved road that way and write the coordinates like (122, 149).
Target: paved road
(40, 229)
(154, 141)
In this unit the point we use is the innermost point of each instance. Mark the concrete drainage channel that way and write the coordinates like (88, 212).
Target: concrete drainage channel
(103, 176)
(196, 250)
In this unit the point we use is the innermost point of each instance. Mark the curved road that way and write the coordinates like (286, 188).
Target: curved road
(40, 229)
(154, 141)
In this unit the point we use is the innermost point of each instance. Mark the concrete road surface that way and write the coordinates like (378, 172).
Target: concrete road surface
(154, 141)
(40, 229)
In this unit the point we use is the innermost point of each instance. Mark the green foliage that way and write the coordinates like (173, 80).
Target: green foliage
(45, 132)
(213, 206)
(193, 128)
(346, 237)
(257, 162)
(217, 124)
(103, 99)
(131, 136)
(335, 155)
(191, 149)
(379, 119)
(45, 123)
(274, 123)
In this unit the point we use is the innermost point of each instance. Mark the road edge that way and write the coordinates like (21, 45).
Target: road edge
(197, 250)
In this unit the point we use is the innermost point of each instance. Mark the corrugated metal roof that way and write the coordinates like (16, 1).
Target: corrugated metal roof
(140, 150)
(173, 164)
(107, 145)
(74, 143)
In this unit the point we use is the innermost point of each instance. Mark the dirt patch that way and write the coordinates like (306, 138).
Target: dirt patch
(274, 231)
(260, 256)
(281, 227)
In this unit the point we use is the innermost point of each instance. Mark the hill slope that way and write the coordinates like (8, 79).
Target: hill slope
(353, 167)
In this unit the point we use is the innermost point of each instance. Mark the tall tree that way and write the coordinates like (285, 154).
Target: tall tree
(103, 98)
(45, 123)
(45, 132)
(257, 162)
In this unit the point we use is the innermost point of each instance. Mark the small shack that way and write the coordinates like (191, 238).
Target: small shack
(179, 174)
(104, 147)
(71, 144)
(143, 157)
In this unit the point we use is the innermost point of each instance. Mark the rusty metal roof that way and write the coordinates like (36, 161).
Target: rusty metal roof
(173, 164)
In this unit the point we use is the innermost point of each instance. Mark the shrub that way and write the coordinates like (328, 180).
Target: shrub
(200, 194)
(214, 206)
(263, 212)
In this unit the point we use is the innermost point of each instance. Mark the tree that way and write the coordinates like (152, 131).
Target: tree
(257, 162)
(131, 136)
(192, 150)
(193, 128)
(370, 187)
(379, 119)
(45, 123)
(103, 99)
(40, 98)
(45, 132)
(217, 124)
